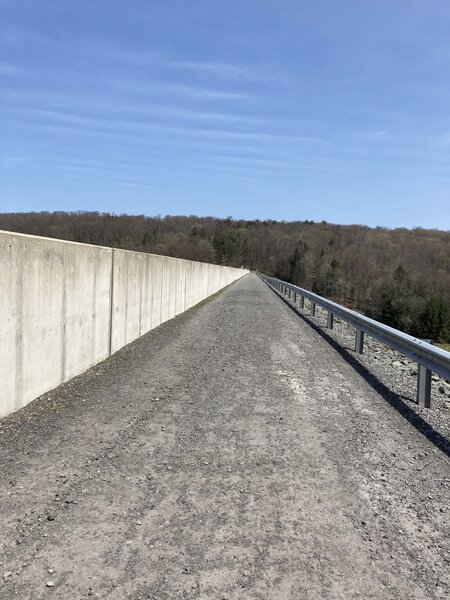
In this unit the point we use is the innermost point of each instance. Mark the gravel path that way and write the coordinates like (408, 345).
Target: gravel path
(232, 453)
(394, 375)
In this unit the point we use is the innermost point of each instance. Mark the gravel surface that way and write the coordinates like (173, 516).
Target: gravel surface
(394, 375)
(232, 453)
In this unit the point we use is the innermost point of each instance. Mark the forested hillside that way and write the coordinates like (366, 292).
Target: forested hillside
(399, 276)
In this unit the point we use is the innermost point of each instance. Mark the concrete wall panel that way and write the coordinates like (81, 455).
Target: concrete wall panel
(54, 322)
(86, 307)
(65, 307)
(10, 323)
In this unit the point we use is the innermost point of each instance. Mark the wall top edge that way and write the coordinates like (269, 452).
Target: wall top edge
(110, 249)
(49, 239)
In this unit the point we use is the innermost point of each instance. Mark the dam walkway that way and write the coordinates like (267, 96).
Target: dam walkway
(231, 453)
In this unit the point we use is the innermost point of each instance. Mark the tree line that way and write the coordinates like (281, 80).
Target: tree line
(398, 276)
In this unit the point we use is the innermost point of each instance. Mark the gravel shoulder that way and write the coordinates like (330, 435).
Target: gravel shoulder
(234, 453)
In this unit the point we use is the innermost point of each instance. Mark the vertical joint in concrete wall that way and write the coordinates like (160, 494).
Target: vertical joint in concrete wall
(111, 304)
(63, 315)
(423, 386)
(359, 341)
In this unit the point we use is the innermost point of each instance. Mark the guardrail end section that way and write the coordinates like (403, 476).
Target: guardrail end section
(423, 386)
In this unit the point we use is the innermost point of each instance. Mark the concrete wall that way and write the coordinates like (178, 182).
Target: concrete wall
(65, 307)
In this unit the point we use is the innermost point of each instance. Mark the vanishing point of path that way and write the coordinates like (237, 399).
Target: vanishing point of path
(232, 453)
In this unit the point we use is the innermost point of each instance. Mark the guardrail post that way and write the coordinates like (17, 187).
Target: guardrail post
(313, 309)
(295, 297)
(302, 301)
(359, 341)
(423, 386)
(289, 293)
(330, 320)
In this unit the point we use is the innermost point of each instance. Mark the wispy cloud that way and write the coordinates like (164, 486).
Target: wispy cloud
(11, 35)
(443, 140)
(81, 113)
(173, 89)
(236, 72)
(224, 70)
(143, 127)
(9, 70)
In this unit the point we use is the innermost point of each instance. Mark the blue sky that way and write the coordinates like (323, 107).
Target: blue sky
(325, 110)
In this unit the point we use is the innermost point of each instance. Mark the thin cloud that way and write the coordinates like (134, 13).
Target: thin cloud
(9, 70)
(18, 36)
(111, 114)
(224, 70)
(443, 140)
(216, 69)
(94, 124)
(180, 90)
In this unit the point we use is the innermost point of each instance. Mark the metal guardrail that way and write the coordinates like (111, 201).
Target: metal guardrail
(428, 357)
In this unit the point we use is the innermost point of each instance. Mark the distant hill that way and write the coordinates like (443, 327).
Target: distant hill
(399, 276)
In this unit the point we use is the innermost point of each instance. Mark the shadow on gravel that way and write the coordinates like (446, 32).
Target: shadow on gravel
(394, 399)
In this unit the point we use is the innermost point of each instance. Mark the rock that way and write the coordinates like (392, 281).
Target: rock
(396, 364)
(50, 584)
(7, 574)
(50, 517)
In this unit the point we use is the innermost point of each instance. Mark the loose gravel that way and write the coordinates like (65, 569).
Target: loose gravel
(235, 452)
(393, 374)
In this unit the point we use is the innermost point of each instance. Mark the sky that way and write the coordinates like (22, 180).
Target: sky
(335, 110)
